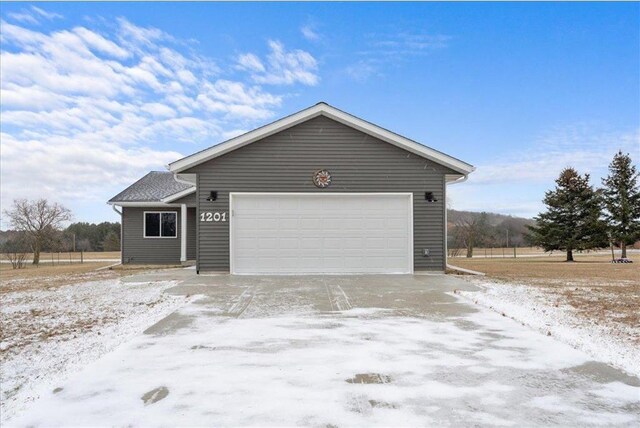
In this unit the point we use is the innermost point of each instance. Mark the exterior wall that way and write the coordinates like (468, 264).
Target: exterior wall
(285, 162)
(190, 200)
(191, 233)
(137, 249)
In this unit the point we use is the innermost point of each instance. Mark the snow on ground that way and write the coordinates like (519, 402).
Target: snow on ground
(461, 366)
(49, 333)
(541, 309)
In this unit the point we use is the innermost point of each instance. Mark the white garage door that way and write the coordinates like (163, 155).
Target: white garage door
(321, 233)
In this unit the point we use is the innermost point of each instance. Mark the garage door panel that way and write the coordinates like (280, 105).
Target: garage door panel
(310, 223)
(289, 243)
(309, 264)
(332, 243)
(267, 243)
(311, 244)
(397, 243)
(327, 233)
(354, 243)
(246, 243)
(268, 223)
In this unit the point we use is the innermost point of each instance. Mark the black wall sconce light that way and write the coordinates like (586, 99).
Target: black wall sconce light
(212, 196)
(429, 197)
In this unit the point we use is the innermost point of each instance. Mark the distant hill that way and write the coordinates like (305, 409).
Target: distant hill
(494, 229)
(494, 218)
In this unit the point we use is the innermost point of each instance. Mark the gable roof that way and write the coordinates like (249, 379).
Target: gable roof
(153, 187)
(321, 109)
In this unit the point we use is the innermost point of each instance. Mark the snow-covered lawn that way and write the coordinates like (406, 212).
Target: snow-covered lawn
(400, 351)
(50, 332)
(547, 310)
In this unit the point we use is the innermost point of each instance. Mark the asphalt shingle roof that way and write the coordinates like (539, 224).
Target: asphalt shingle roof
(151, 188)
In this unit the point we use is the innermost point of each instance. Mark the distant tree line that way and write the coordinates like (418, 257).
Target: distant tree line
(38, 226)
(469, 230)
(103, 236)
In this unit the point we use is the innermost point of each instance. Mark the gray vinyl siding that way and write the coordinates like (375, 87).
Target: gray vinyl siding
(285, 162)
(190, 200)
(191, 233)
(137, 249)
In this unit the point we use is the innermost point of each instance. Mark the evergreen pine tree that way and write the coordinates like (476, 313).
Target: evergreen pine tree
(572, 219)
(621, 197)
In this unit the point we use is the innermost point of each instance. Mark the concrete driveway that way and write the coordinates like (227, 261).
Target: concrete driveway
(338, 351)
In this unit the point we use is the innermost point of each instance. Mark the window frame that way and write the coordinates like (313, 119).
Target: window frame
(144, 224)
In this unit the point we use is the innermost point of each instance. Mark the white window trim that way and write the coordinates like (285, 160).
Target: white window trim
(144, 224)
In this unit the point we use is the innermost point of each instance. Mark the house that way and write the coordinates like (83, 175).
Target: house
(319, 191)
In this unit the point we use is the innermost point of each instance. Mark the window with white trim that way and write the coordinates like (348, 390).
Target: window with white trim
(163, 224)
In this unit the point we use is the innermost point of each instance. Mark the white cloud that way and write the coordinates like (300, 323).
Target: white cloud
(235, 98)
(67, 169)
(309, 33)
(281, 67)
(47, 15)
(362, 70)
(25, 17)
(250, 62)
(409, 44)
(33, 15)
(515, 182)
(138, 37)
(159, 110)
(87, 111)
(581, 147)
(384, 50)
(98, 42)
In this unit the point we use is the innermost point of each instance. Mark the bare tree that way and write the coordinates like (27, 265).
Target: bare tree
(40, 220)
(471, 230)
(15, 250)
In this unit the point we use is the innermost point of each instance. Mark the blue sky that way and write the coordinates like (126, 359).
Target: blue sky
(94, 95)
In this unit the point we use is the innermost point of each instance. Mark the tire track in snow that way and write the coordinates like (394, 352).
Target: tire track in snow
(241, 304)
(338, 298)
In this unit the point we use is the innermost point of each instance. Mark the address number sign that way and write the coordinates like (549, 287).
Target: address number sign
(209, 216)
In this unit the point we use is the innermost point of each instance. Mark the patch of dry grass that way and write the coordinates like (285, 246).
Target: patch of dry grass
(47, 276)
(596, 268)
(51, 276)
(600, 291)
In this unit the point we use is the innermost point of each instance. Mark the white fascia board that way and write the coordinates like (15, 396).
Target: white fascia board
(179, 195)
(143, 204)
(454, 178)
(332, 113)
(185, 178)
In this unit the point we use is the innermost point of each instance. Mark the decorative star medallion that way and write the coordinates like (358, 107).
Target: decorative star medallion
(322, 178)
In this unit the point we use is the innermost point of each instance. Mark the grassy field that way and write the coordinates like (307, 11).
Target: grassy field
(48, 276)
(598, 289)
(596, 268)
